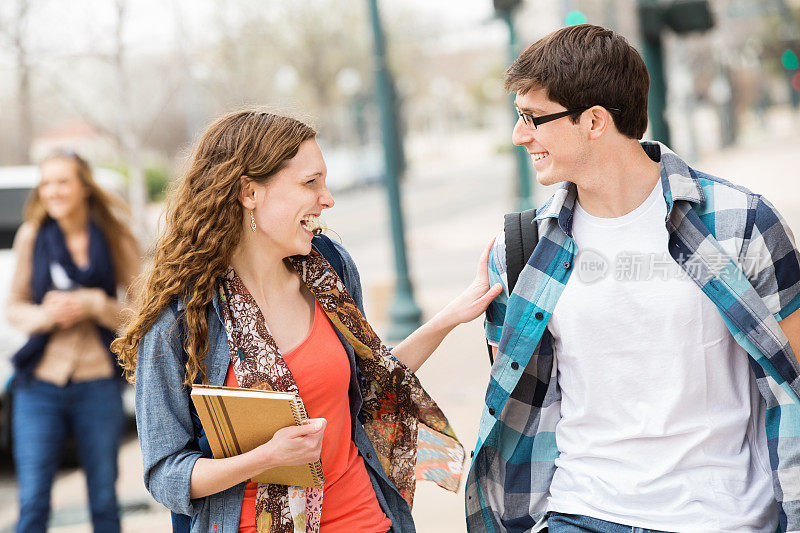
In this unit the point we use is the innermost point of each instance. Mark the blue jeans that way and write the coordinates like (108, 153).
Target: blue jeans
(573, 523)
(43, 414)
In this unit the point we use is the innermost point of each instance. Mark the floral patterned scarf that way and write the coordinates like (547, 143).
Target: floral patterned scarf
(399, 416)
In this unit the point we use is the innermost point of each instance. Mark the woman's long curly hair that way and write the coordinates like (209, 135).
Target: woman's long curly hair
(204, 224)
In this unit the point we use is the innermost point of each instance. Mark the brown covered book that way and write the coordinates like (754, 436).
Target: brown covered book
(239, 420)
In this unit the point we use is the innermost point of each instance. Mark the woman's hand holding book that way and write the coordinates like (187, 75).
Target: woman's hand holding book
(294, 445)
(290, 446)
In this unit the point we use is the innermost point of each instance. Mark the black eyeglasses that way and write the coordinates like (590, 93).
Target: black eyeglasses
(533, 122)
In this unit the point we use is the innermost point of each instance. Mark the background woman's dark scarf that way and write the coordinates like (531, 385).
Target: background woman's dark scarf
(51, 247)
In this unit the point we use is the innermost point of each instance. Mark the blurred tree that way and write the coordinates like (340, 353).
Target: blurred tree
(157, 178)
(14, 31)
(326, 36)
(292, 54)
(149, 98)
(123, 113)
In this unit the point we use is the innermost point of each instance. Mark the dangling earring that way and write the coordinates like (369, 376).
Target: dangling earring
(252, 222)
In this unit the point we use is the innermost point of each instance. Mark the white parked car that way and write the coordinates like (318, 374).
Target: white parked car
(350, 169)
(16, 183)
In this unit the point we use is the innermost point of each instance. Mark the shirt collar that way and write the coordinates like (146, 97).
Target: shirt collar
(677, 180)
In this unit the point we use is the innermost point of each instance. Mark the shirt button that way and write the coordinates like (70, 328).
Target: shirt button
(566, 265)
(491, 411)
(369, 455)
(514, 365)
(539, 316)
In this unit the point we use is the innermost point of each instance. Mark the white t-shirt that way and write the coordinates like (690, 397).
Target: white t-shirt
(661, 425)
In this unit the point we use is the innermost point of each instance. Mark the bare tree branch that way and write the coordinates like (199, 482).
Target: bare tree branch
(83, 111)
(147, 130)
(24, 134)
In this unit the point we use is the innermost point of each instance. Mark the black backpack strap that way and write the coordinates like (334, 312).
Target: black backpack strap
(325, 246)
(522, 235)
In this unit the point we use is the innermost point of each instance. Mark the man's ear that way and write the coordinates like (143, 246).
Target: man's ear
(247, 192)
(600, 120)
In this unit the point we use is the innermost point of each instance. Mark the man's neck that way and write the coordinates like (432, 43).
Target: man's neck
(623, 178)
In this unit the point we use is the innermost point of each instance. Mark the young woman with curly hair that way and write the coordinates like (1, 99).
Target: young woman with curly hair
(241, 276)
(73, 252)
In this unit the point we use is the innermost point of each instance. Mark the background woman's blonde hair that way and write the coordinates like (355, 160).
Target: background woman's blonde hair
(204, 224)
(107, 210)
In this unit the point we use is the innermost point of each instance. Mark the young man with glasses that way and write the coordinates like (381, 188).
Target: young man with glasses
(644, 377)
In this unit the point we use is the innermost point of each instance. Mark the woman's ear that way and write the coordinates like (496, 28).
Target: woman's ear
(247, 192)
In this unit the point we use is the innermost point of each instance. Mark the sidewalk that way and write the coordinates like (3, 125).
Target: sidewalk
(767, 165)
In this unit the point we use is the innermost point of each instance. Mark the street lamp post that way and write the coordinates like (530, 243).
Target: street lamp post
(504, 10)
(653, 56)
(404, 313)
(682, 17)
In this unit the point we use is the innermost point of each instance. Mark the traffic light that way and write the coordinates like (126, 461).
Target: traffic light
(789, 60)
(681, 16)
(574, 17)
(506, 6)
(688, 16)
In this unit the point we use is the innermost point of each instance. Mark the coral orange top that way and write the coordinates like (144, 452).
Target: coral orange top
(322, 372)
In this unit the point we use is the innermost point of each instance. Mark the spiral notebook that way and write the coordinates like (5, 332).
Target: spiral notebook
(238, 420)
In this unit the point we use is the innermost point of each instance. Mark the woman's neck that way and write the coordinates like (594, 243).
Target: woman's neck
(263, 273)
(74, 223)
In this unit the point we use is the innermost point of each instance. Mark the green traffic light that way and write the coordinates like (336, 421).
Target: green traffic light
(789, 60)
(575, 17)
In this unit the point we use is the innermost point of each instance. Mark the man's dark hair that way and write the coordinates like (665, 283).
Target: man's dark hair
(586, 65)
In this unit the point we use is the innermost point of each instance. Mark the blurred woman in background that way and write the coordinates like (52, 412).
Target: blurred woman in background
(73, 252)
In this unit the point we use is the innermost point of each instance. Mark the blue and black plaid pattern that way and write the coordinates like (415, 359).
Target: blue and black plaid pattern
(739, 251)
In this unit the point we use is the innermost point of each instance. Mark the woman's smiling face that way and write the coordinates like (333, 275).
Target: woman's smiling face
(60, 188)
(289, 203)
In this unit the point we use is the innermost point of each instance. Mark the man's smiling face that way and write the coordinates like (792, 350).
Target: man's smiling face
(557, 148)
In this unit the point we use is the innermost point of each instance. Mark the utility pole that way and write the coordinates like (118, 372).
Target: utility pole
(404, 313)
(505, 11)
(682, 16)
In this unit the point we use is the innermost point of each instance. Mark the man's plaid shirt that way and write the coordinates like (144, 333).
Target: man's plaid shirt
(738, 250)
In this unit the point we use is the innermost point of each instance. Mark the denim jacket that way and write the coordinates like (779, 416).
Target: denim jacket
(166, 431)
